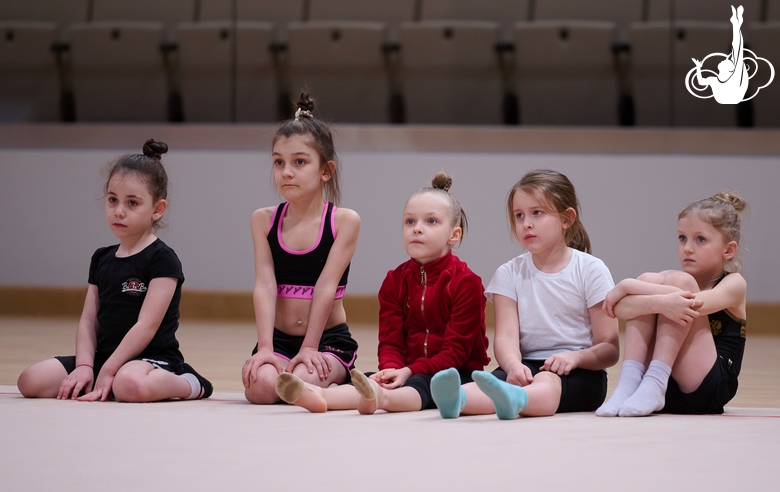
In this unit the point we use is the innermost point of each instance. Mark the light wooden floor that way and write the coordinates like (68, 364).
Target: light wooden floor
(218, 351)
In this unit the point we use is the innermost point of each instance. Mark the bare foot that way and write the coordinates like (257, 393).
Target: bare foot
(292, 389)
(368, 390)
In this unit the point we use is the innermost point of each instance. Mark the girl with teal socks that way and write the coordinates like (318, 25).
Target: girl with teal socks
(431, 317)
(553, 340)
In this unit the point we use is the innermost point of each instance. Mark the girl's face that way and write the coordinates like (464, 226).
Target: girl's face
(298, 171)
(701, 248)
(130, 209)
(537, 229)
(427, 229)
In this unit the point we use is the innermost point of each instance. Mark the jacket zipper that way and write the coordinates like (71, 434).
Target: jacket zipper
(424, 282)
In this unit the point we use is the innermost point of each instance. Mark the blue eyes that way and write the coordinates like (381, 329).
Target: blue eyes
(430, 221)
(699, 239)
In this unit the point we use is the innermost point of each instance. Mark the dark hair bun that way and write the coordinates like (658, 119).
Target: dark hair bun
(155, 150)
(441, 181)
(306, 103)
(731, 197)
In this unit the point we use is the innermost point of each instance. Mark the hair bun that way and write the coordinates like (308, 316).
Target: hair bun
(732, 198)
(154, 149)
(305, 106)
(442, 181)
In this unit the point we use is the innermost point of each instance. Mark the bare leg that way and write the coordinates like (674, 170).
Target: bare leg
(686, 351)
(42, 380)
(139, 382)
(640, 343)
(262, 391)
(544, 396)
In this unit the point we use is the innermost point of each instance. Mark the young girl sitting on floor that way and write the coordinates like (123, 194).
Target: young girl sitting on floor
(687, 328)
(553, 340)
(431, 317)
(303, 248)
(126, 339)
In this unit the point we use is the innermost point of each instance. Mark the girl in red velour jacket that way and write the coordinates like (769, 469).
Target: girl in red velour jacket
(431, 318)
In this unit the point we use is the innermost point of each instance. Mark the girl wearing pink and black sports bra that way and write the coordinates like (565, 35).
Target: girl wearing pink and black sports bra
(303, 249)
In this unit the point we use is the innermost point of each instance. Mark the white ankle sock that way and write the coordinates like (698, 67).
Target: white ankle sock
(631, 373)
(195, 387)
(649, 396)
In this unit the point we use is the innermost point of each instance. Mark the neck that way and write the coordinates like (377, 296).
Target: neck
(131, 246)
(552, 260)
(706, 282)
(304, 208)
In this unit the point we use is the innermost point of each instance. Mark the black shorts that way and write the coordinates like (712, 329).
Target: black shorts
(336, 341)
(718, 388)
(422, 384)
(170, 362)
(582, 390)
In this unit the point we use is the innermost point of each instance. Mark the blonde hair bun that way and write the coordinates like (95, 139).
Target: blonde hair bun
(732, 198)
(442, 181)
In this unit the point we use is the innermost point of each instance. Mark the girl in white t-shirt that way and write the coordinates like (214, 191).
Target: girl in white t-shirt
(553, 341)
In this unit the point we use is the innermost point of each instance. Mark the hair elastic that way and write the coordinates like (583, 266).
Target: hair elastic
(302, 112)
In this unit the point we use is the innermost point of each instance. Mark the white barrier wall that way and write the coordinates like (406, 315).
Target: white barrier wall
(51, 212)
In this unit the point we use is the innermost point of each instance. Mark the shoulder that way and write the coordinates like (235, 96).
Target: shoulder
(101, 252)
(589, 262)
(261, 219)
(347, 217)
(159, 251)
(346, 224)
(462, 272)
(514, 265)
(733, 281)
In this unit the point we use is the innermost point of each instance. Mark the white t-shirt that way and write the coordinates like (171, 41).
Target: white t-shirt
(553, 307)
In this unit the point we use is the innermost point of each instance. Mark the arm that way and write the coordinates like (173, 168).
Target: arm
(158, 298)
(647, 295)
(507, 341)
(263, 298)
(86, 343)
(348, 227)
(645, 284)
(604, 352)
(465, 327)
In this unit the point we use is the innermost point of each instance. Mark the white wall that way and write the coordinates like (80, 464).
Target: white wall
(51, 215)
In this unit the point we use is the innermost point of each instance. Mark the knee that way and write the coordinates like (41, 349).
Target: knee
(262, 391)
(26, 384)
(131, 388)
(682, 280)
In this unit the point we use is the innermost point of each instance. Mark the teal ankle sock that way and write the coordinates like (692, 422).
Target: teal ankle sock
(447, 393)
(508, 399)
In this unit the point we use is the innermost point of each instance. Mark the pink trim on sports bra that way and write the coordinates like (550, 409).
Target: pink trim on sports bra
(304, 291)
(333, 221)
(271, 224)
(317, 243)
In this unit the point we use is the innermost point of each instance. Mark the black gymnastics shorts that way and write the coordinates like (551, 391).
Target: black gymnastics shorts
(581, 390)
(336, 341)
(718, 388)
(169, 362)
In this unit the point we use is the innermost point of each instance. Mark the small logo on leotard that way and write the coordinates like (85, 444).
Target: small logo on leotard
(134, 287)
(716, 326)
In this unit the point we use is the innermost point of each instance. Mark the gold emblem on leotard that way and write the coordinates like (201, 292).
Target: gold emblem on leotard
(716, 326)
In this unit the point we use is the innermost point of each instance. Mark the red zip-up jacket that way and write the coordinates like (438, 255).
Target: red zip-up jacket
(432, 317)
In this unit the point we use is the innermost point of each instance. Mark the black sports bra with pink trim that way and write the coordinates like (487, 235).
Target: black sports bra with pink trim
(297, 271)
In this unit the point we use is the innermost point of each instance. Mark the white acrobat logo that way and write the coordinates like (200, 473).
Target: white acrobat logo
(730, 85)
